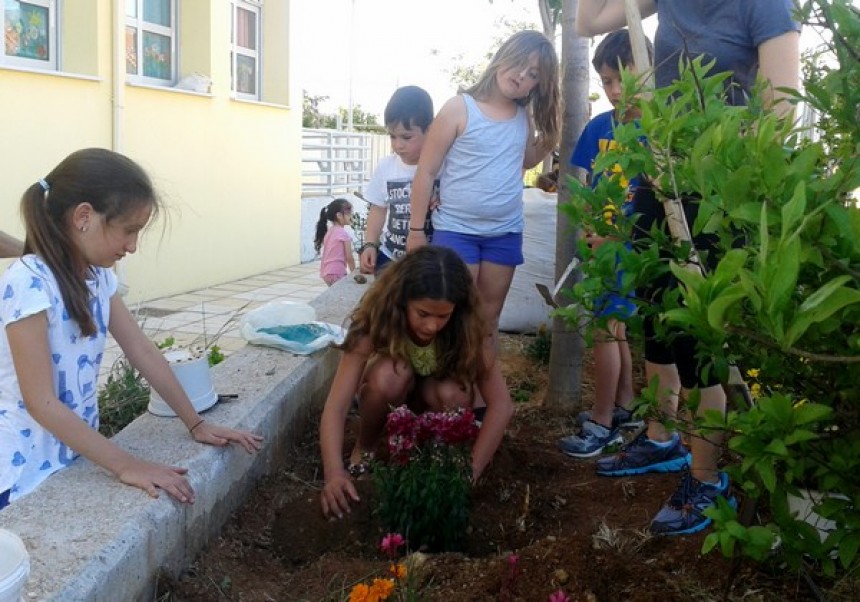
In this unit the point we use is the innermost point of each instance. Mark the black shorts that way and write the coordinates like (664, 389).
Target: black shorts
(676, 347)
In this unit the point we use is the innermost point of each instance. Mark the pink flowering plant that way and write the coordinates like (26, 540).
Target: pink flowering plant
(424, 486)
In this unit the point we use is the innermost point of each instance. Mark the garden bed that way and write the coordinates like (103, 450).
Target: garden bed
(569, 528)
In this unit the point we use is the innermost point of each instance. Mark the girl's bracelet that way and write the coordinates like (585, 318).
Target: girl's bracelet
(421, 229)
(367, 245)
(191, 430)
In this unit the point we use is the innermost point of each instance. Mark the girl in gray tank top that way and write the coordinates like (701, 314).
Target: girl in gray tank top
(478, 145)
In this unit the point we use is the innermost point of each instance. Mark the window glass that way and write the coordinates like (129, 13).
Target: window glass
(157, 11)
(245, 49)
(150, 41)
(131, 50)
(156, 56)
(246, 29)
(246, 76)
(27, 30)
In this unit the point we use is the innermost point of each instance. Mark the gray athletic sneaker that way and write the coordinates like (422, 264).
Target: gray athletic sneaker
(684, 512)
(592, 439)
(643, 455)
(621, 418)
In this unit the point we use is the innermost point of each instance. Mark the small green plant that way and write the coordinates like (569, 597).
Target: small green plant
(524, 391)
(166, 343)
(424, 487)
(538, 350)
(123, 398)
(215, 355)
(358, 223)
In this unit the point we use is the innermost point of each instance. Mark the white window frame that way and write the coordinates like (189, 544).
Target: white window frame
(256, 7)
(142, 26)
(53, 61)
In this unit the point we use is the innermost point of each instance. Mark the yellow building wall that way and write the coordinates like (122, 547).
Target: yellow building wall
(227, 171)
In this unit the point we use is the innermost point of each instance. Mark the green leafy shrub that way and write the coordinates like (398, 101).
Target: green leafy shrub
(785, 303)
(122, 398)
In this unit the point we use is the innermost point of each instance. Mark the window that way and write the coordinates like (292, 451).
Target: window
(30, 32)
(150, 41)
(245, 49)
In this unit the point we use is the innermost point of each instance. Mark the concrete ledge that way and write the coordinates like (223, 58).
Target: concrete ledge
(92, 538)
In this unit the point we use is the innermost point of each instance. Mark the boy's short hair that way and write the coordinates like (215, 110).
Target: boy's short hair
(409, 106)
(615, 48)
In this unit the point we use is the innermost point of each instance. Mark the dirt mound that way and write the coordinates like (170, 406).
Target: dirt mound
(569, 528)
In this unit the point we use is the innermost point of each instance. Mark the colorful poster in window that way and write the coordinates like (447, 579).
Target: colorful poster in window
(131, 50)
(26, 30)
(156, 56)
(246, 75)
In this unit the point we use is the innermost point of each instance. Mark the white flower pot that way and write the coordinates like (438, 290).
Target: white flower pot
(194, 376)
(14, 567)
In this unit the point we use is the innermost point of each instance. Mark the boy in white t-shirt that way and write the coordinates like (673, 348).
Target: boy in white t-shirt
(407, 116)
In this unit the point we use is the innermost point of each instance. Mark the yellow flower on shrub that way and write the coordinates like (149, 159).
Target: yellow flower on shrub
(753, 372)
(755, 390)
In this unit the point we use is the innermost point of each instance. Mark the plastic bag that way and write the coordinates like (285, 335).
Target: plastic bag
(289, 326)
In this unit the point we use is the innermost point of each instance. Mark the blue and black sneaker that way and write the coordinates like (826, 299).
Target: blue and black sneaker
(621, 418)
(592, 439)
(684, 512)
(642, 455)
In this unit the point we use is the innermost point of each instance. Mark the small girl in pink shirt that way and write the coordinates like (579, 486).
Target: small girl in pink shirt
(335, 242)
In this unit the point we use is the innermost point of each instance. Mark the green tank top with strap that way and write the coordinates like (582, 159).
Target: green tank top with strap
(423, 359)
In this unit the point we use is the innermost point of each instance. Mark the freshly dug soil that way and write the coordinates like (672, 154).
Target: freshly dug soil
(570, 529)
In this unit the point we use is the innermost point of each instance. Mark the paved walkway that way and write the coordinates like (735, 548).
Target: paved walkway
(201, 316)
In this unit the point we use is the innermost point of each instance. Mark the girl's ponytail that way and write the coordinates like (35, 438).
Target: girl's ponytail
(329, 214)
(48, 237)
(322, 228)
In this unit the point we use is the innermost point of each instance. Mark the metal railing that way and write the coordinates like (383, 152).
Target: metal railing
(337, 162)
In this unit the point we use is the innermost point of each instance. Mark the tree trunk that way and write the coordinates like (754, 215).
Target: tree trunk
(564, 393)
(548, 17)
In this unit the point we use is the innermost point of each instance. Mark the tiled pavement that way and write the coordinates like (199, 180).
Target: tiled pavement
(197, 317)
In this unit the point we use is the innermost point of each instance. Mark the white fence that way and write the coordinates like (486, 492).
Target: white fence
(335, 163)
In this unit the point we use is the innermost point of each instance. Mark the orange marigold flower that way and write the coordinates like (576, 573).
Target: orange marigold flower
(360, 593)
(381, 590)
(398, 570)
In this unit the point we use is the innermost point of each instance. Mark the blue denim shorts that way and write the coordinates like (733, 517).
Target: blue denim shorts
(504, 249)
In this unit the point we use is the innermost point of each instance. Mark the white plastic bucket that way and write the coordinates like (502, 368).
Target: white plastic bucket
(194, 376)
(14, 567)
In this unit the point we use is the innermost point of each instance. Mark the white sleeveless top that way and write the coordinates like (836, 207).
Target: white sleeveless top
(481, 181)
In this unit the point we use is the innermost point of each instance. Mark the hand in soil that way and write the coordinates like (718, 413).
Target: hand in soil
(337, 494)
